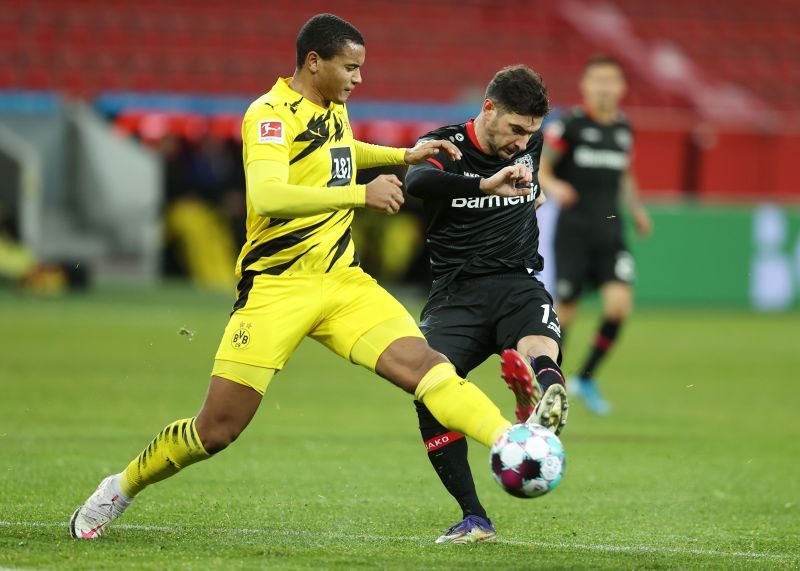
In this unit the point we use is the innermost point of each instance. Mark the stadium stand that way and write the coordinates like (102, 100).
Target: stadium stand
(133, 57)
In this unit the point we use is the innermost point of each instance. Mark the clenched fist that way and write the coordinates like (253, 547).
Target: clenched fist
(385, 193)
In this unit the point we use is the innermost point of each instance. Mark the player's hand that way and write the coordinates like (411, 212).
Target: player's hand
(541, 199)
(514, 180)
(385, 193)
(643, 222)
(428, 149)
(563, 192)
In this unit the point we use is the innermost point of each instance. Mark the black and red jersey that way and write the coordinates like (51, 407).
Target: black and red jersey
(468, 232)
(594, 158)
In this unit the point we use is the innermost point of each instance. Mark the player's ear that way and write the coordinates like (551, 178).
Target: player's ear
(488, 106)
(312, 61)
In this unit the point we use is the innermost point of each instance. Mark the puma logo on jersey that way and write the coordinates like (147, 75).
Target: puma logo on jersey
(270, 132)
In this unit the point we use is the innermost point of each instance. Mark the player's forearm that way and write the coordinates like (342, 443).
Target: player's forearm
(369, 156)
(431, 183)
(270, 194)
(630, 191)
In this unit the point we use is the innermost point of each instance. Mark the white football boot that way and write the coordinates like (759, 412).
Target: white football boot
(105, 505)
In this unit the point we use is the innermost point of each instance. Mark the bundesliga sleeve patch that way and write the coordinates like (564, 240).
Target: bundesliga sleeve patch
(270, 132)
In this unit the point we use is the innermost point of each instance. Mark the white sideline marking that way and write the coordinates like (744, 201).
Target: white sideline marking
(424, 540)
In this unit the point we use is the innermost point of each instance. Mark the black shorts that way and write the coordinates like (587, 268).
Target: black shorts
(591, 257)
(476, 317)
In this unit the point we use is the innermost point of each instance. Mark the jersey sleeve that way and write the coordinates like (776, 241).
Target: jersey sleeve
(271, 195)
(368, 155)
(267, 134)
(439, 178)
(441, 160)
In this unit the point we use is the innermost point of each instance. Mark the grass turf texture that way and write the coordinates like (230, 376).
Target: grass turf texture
(696, 467)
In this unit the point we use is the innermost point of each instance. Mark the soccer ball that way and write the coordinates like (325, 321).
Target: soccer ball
(528, 460)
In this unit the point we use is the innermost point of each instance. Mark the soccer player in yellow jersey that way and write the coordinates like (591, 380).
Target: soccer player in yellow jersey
(299, 273)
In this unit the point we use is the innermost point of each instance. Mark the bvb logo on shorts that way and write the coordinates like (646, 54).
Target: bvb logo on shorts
(241, 337)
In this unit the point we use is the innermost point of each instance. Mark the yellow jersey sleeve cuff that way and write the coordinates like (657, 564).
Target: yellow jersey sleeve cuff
(400, 156)
(360, 195)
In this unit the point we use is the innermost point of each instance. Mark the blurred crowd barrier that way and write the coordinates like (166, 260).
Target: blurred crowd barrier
(143, 180)
(158, 194)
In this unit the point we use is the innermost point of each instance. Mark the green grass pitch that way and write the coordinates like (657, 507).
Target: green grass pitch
(698, 467)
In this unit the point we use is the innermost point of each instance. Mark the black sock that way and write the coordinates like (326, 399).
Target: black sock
(603, 342)
(447, 451)
(548, 373)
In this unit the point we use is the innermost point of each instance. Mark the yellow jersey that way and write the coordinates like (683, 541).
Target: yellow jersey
(317, 145)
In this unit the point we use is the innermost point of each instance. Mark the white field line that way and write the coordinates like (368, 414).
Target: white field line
(566, 545)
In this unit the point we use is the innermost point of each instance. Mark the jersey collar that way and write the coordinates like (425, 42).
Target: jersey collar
(283, 89)
(472, 136)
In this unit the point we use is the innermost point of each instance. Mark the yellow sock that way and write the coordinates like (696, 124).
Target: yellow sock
(459, 405)
(175, 447)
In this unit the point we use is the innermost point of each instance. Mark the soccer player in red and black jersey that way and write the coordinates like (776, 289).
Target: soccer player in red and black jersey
(485, 299)
(585, 166)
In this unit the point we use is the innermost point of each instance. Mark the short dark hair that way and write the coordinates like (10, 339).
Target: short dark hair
(327, 35)
(519, 89)
(603, 59)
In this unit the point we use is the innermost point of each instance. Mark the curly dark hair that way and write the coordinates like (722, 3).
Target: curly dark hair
(520, 90)
(327, 35)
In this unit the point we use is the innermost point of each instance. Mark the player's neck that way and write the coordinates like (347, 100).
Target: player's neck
(305, 87)
(481, 134)
(601, 115)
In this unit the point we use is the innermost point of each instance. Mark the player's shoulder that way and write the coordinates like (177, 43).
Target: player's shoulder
(455, 133)
(273, 118)
(269, 104)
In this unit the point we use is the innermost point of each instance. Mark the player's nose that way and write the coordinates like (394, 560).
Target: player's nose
(356, 77)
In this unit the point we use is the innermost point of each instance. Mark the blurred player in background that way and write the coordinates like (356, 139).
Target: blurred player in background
(300, 276)
(483, 238)
(585, 166)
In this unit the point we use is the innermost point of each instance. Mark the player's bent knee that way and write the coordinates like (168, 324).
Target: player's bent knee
(230, 403)
(216, 434)
(407, 360)
(537, 346)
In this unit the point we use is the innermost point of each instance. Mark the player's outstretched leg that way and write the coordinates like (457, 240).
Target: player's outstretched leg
(457, 404)
(448, 454)
(226, 412)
